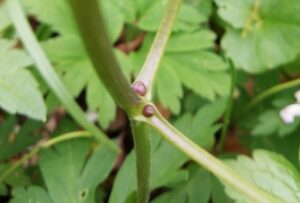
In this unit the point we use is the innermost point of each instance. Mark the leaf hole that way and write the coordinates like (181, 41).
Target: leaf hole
(83, 193)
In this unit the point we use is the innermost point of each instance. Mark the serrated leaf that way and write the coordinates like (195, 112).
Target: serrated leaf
(263, 34)
(77, 179)
(188, 18)
(52, 14)
(103, 103)
(191, 41)
(195, 190)
(190, 64)
(287, 146)
(204, 6)
(18, 89)
(271, 172)
(72, 61)
(218, 194)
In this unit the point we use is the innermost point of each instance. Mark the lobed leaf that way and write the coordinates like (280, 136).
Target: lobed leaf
(261, 35)
(19, 91)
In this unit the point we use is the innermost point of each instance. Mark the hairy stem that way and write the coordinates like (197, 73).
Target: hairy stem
(228, 108)
(150, 67)
(47, 144)
(92, 28)
(142, 151)
(48, 74)
(208, 161)
(271, 91)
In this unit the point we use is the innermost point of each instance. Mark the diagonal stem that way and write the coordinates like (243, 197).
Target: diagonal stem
(92, 28)
(47, 72)
(150, 67)
(208, 161)
(271, 91)
(47, 144)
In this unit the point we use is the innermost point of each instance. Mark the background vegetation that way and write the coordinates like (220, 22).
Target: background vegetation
(230, 109)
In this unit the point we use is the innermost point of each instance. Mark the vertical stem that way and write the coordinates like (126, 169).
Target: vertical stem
(142, 151)
(228, 107)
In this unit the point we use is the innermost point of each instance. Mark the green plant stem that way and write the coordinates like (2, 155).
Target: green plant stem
(228, 111)
(208, 161)
(271, 91)
(49, 75)
(47, 144)
(142, 151)
(92, 28)
(150, 67)
(65, 137)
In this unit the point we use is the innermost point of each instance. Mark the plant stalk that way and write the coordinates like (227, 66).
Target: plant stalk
(91, 25)
(150, 67)
(208, 161)
(142, 144)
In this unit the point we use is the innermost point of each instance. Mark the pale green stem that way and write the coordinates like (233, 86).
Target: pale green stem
(150, 67)
(49, 75)
(47, 144)
(208, 161)
(140, 131)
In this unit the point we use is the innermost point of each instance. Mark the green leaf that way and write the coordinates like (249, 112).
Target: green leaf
(33, 194)
(261, 35)
(69, 176)
(188, 18)
(176, 196)
(270, 123)
(204, 6)
(18, 89)
(199, 186)
(72, 61)
(3, 190)
(196, 189)
(271, 172)
(287, 146)
(218, 194)
(14, 139)
(15, 179)
(187, 62)
(52, 14)
(4, 19)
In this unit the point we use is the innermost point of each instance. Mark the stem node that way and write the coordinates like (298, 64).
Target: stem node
(148, 111)
(139, 88)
